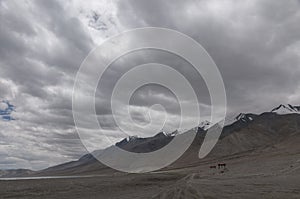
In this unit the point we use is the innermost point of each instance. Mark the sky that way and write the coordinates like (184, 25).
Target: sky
(254, 43)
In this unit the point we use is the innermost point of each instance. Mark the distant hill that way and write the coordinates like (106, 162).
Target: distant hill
(15, 173)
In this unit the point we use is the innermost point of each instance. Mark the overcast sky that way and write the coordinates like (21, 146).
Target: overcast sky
(254, 43)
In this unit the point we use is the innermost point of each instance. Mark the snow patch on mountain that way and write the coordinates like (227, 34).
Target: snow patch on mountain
(205, 125)
(130, 138)
(243, 117)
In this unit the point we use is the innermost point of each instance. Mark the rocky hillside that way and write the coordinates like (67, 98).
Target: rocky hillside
(248, 133)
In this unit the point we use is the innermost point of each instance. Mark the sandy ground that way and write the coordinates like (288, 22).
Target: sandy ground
(246, 176)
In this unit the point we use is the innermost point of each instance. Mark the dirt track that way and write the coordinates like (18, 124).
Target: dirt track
(252, 176)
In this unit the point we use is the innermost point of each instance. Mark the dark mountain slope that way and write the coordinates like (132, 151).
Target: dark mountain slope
(268, 131)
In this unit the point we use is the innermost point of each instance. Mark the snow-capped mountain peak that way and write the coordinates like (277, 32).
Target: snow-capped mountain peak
(174, 133)
(243, 117)
(286, 109)
(205, 125)
(130, 138)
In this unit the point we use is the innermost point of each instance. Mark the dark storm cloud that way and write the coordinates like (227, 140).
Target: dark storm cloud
(149, 95)
(255, 44)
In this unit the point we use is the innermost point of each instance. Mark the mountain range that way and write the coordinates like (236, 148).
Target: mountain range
(277, 130)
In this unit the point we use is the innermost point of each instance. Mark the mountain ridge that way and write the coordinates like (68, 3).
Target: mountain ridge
(249, 132)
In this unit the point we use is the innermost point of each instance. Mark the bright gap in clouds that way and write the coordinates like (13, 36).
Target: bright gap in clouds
(6, 109)
(99, 17)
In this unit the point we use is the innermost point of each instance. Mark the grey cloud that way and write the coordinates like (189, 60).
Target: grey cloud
(255, 44)
(42, 47)
(247, 42)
